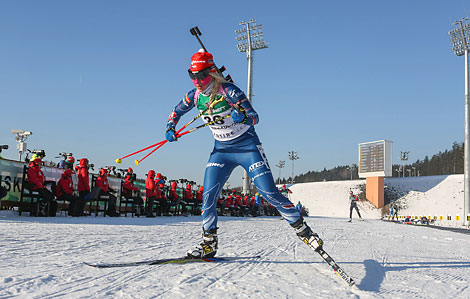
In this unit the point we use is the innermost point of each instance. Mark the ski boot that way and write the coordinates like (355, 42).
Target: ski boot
(305, 234)
(208, 247)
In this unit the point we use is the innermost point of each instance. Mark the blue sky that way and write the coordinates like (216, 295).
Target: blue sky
(99, 78)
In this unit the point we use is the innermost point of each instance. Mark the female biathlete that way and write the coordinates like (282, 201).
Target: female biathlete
(236, 143)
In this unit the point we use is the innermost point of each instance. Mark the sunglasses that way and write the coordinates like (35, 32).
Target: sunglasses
(199, 75)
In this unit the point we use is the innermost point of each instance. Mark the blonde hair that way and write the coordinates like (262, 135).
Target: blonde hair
(218, 80)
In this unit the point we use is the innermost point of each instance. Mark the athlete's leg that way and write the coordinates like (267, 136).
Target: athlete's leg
(256, 164)
(218, 170)
(358, 213)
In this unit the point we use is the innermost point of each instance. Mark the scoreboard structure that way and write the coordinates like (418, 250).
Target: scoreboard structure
(375, 159)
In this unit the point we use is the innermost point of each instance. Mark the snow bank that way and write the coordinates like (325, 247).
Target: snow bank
(433, 196)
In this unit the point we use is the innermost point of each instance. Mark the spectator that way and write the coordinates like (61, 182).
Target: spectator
(83, 178)
(189, 197)
(130, 191)
(103, 184)
(68, 164)
(173, 195)
(230, 206)
(299, 207)
(353, 205)
(150, 193)
(253, 206)
(64, 191)
(239, 205)
(36, 180)
(258, 203)
(163, 208)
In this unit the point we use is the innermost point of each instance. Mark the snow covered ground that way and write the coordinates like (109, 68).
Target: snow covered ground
(43, 258)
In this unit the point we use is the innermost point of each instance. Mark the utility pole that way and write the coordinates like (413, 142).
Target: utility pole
(250, 38)
(351, 168)
(398, 170)
(293, 156)
(460, 39)
(280, 165)
(404, 158)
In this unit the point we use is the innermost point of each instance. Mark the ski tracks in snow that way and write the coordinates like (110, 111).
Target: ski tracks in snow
(44, 260)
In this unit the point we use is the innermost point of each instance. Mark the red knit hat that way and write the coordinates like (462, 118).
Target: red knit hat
(201, 60)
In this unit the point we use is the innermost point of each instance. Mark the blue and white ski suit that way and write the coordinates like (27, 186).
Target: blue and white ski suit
(235, 144)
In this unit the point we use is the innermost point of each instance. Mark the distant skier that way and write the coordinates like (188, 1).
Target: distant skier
(285, 191)
(236, 143)
(353, 205)
(393, 212)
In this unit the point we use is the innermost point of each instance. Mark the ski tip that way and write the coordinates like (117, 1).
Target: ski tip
(91, 265)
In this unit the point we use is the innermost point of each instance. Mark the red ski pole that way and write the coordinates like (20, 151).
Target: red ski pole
(183, 127)
(119, 160)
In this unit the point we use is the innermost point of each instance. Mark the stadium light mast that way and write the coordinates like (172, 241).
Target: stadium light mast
(404, 158)
(280, 165)
(460, 39)
(250, 38)
(293, 156)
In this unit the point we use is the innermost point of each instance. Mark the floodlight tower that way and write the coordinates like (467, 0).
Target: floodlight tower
(280, 165)
(460, 39)
(293, 156)
(250, 38)
(351, 169)
(404, 158)
(21, 136)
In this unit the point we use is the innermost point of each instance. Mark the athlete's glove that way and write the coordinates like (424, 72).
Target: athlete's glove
(170, 134)
(238, 116)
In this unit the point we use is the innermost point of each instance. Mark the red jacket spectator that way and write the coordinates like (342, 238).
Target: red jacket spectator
(228, 202)
(102, 180)
(150, 186)
(199, 194)
(35, 174)
(65, 184)
(188, 193)
(238, 201)
(173, 193)
(246, 200)
(83, 176)
(160, 181)
(128, 186)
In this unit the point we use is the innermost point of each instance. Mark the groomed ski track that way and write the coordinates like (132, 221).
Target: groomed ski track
(43, 258)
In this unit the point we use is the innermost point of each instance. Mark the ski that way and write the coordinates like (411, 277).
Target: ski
(329, 260)
(180, 260)
(338, 270)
